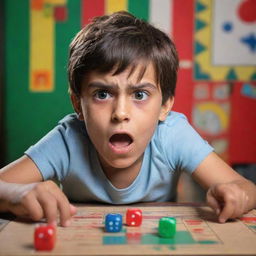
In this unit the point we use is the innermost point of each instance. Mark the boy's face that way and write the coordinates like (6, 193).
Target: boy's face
(121, 114)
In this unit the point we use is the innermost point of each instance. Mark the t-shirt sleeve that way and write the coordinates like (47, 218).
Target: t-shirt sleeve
(185, 148)
(51, 155)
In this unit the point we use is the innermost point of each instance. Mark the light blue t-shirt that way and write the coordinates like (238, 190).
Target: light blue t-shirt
(67, 154)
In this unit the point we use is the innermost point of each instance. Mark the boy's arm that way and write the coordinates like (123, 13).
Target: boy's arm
(22, 170)
(229, 194)
(23, 193)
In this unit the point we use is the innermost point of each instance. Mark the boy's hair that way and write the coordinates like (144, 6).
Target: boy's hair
(117, 41)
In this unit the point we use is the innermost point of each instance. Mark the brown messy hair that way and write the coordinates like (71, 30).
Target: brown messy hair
(119, 41)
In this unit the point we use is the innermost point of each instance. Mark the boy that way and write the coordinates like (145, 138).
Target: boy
(123, 145)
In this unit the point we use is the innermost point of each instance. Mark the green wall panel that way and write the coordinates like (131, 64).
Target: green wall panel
(139, 8)
(28, 116)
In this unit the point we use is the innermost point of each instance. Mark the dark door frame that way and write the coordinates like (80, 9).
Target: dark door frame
(2, 71)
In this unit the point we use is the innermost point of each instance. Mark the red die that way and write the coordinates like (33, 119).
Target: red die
(133, 217)
(44, 237)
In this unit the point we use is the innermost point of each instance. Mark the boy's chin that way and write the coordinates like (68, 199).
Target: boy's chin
(122, 163)
(119, 164)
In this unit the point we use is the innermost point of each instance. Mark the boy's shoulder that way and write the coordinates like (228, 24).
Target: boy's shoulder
(174, 126)
(174, 129)
(174, 119)
(70, 124)
(70, 118)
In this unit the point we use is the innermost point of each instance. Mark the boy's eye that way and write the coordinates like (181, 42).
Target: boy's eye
(102, 95)
(140, 95)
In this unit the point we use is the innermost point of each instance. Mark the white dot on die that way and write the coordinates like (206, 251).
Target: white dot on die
(110, 223)
(41, 235)
(50, 232)
(133, 215)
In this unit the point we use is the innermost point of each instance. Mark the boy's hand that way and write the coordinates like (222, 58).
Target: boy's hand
(38, 200)
(228, 200)
(229, 193)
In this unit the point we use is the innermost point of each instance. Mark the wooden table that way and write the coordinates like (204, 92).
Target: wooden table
(198, 233)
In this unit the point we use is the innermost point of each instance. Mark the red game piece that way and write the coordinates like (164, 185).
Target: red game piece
(133, 217)
(44, 237)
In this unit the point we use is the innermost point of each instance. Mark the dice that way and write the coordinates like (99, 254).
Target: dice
(133, 217)
(167, 227)
(113, 222)
(44, 237)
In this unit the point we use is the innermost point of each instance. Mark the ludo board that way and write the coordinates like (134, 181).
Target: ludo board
(198, 233)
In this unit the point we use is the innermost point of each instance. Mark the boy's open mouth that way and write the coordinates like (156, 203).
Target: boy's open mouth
(120, 140)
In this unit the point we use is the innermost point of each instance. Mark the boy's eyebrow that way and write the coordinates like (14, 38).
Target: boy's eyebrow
(102, 85)
(143, 86)
(115, 86)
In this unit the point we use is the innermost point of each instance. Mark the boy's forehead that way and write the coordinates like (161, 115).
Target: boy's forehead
(135, 72)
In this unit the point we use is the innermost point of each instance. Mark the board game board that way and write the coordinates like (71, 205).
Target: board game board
(198, 233)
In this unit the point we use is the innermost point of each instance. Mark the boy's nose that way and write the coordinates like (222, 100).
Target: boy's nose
(120, 111)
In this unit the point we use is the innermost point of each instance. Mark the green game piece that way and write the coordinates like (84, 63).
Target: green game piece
(167, 227)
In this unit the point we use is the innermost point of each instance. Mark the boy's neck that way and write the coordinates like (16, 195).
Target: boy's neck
(122, 177)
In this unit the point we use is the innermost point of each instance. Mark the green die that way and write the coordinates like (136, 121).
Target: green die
(167, 227)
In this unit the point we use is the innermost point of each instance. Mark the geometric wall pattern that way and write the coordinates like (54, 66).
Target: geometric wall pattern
(225, 40)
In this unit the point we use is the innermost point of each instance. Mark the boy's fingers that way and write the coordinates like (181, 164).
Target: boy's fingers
(73, 209)
(245, 203)
(225, 202)
(65, 213)
(33, 207)
(234, 201)
(49, 205)
(241, 207)
(18, 209)
(62, 203)
(230, 206)
(227, 212)
(63, 207)
(213, 203)
(45, 200)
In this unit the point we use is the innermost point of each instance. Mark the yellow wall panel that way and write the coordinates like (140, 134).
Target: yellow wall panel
(41, 51)
(115, 5)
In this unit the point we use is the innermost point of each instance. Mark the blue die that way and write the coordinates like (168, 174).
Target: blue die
(113, 222)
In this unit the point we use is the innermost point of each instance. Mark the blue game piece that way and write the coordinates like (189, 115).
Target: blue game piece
(113, 222)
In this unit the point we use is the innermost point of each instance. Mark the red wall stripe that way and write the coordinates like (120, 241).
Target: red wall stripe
(91, 9)
(182, 34)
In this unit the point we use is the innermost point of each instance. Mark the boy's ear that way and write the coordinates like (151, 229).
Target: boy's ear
(76, 105)
(166, 108)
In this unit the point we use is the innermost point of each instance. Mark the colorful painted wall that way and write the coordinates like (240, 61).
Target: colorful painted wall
(216, 41)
